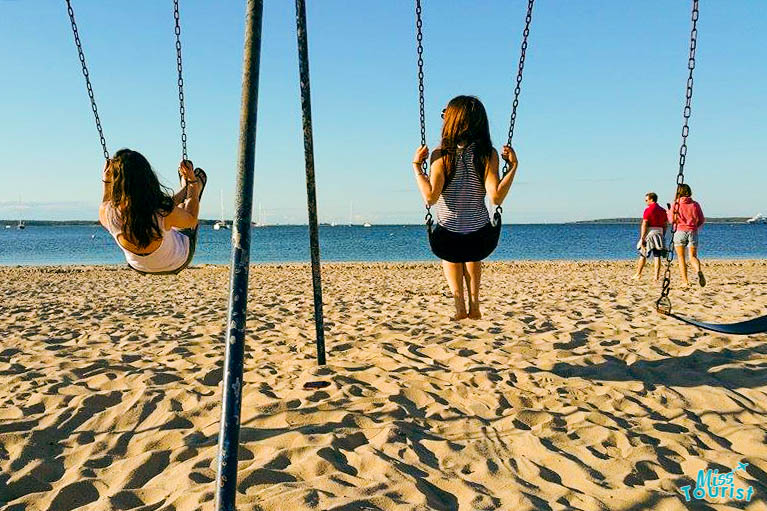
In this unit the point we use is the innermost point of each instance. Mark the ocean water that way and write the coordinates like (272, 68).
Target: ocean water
(85, 244)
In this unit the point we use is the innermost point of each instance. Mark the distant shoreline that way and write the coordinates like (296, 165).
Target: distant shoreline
(601, 221)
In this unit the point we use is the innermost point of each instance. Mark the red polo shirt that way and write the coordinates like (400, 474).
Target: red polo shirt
(655, 215)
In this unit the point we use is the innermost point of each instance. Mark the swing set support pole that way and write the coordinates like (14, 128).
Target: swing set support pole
(232, 385)
(311, 193)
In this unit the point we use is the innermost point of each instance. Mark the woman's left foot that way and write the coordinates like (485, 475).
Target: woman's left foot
(475, 314)
(701, 279)
(202, 177)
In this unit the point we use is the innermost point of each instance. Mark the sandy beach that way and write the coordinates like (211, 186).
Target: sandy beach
(570, 393)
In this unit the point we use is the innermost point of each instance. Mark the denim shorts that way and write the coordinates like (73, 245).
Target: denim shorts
(685, 238)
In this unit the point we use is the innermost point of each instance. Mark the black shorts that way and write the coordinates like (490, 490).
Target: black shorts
(467, 247)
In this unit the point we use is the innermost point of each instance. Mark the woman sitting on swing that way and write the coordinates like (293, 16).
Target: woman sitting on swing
(157, 232)
(464, 169)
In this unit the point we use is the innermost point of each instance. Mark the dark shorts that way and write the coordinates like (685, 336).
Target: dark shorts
(458, 247)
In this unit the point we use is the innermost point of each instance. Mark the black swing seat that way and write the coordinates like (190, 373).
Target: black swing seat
(749, 327)
(463, 248)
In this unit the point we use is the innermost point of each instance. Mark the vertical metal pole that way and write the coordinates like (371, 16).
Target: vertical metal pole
(311, 194)
(229, 435)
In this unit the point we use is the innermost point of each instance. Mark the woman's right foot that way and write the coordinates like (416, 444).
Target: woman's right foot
(701, 279)
(475, 313)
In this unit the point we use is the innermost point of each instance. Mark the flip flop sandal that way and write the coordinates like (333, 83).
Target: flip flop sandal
(201, 176)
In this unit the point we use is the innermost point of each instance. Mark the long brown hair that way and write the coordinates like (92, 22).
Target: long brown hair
(138, 196)
(466, 122)
(683, 190)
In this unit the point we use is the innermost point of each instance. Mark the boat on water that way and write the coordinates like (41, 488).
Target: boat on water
(221, 224)
(366, 224)
(757, 219)
(260, 219)
(21, 225)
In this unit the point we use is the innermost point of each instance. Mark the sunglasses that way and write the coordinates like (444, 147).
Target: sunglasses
(443, 113)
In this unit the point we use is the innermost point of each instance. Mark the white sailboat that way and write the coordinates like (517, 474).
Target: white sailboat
(21, 224)
(260, 218)
(221, 224)
(757, 219)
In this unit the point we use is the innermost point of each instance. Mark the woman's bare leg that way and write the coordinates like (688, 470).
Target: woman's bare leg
(696, 265)
(472, 274)
(180, 196)
(682, 264)
(454, 277)
(656, 262)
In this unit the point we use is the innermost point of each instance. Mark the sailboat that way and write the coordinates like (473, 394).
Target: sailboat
(221, 224)
(757, 219)
(21, 224)
(260, 218)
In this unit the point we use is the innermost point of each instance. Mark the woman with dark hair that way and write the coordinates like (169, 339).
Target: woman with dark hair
(156, 231)
(688, 217)
(464, 171)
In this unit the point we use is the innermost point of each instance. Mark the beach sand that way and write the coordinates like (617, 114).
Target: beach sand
(570, 393)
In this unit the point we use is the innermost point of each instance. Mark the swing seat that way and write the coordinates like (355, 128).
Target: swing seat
(748, 327)
(463, 248)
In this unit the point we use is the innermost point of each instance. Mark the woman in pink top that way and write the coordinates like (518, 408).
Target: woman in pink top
(689, 218)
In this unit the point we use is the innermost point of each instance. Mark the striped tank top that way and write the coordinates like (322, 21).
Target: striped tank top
(461, 207)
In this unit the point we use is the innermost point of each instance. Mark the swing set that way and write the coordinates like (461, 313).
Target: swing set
(226, 477)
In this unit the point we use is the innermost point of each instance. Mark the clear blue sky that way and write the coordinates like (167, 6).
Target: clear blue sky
(598, 125)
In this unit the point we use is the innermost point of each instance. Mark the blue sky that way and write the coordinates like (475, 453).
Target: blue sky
(598, 125)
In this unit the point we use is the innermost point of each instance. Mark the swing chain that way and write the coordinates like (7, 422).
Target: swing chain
(181, 108)
(518, 87)
(663, 304)
(421, 103)
(91, 96)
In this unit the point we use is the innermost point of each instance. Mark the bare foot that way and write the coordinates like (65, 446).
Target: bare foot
(459, 317)
(635, 277)
(475, 314)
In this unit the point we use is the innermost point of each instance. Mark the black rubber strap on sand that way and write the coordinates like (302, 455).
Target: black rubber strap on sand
(752, 326)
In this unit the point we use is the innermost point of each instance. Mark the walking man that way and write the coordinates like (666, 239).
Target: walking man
(651, 235)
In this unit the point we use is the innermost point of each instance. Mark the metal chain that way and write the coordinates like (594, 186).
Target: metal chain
(87, 79)
(518, 87)
(664, 304)
(181, 108)
(421, 103)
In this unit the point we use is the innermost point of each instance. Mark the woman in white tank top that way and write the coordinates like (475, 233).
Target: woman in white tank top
(156, 231)
(464, 171)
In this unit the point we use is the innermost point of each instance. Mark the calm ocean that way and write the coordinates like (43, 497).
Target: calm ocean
(78, 244)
